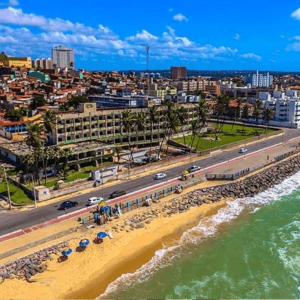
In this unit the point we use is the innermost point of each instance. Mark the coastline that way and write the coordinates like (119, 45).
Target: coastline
(99, 265)
(86, 275)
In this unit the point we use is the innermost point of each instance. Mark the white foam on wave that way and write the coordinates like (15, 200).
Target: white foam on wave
(206, 228)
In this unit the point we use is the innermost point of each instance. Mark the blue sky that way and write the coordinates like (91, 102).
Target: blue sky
(112, 35)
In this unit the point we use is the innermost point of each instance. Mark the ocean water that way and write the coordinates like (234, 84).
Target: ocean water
(249, 249)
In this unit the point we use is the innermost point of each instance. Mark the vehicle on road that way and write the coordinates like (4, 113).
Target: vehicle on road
(68, 204)
(160, 176)
(94, 200)
(243, 150)
(116, 194)
(194, 169)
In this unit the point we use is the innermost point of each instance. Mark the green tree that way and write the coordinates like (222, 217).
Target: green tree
(75, 101)
(64, 107)
(268, 115)
(38, 101)
(202, 113)
(257, 108)
(49, 121)
(140, 124)
(153, 116)
(182, 117)
(118, 152)
(128, 124)
(13, 115)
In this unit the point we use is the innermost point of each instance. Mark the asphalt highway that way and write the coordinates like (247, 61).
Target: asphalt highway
(12, 221)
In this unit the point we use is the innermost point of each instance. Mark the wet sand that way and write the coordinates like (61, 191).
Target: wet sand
(86, 275)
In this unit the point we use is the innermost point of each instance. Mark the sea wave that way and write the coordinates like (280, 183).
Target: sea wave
(207, 227)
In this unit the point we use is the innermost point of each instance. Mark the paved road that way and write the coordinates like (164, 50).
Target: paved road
(11, 221)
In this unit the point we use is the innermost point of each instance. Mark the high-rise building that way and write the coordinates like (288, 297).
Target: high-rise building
(259, 80)
(178, 72)
(63, 57)
(49, 64)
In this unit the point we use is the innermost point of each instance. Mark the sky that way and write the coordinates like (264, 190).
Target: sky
(201, 35)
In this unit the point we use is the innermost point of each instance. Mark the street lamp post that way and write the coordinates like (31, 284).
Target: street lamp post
(34, 195)
(9, 200)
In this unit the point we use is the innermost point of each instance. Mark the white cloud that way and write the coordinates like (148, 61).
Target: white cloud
(296, 14)
(236, 37)
(90, 42)
(180, 17)
(251, 56)
(143, 36)
(13, 2)
(170, 9)
(282, 36)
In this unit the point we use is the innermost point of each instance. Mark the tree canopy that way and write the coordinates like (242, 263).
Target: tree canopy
(14, 114)
(75, 101)
(38, 102)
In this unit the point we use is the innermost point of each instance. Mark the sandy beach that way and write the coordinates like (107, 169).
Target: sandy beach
(86, 275)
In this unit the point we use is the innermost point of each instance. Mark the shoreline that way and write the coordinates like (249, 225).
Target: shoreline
(100, 265)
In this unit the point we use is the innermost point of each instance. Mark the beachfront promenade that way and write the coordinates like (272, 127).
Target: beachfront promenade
(13, 221)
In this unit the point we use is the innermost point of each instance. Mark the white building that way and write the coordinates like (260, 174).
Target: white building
(63, 57)
(286, 108)
(259, 80)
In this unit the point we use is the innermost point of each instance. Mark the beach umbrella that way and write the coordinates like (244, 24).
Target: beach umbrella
(102, 203)
(102, 235)
(66, 252)
(84, 242)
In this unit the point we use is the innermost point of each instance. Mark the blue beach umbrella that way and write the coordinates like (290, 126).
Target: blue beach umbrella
(66, 252)
(101, 235)
(84, 242)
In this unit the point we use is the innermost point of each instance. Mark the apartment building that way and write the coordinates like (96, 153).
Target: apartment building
(178, 72)
(63, 57)
(105, 125)
(259, 80)
(286, 107)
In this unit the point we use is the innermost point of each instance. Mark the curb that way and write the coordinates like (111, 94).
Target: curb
(62, 218)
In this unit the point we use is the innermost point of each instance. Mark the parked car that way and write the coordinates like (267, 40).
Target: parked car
(68, 204)
(94, 200)
(116, 194)
(243, 150)
(194, 169)
(160, 176)
(181, 152)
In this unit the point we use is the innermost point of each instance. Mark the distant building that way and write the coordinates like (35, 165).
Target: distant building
(178, 72)
(21, 62)
(63, 57)
(259, 80)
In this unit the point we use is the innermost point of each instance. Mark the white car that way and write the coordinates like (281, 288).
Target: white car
(243, 150)
(194, 169)
(160, 176)
(94, 200)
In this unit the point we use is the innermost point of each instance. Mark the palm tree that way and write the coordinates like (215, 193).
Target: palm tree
(49, 121)
(194, 129)
(268, 114)
(257, 107)
(118, 152)
(203, 113)
(182, 117)
(46, 154)
(128, 124)
(153, 117)
(56, 155)
(239, 104)
(35, 135)
(172, 126)
(140, 124)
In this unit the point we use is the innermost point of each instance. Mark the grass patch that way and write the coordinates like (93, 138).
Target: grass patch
(16, 194)
(228, 135)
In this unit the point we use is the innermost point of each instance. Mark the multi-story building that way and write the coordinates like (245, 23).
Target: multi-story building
(63, 57)
(286, 107)
(178, 72)
(213, 88)
(20, 62)
(259, 80)
(105, 125)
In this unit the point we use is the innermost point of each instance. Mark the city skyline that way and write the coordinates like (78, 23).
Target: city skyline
(236, 37)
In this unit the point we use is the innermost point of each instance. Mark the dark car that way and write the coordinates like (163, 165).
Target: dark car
(116, 194)
(68, 204)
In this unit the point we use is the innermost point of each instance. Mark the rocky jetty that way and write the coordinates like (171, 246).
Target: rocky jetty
(30, 265)
(247, 187)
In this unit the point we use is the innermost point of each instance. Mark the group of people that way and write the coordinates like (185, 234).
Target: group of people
(102, 213)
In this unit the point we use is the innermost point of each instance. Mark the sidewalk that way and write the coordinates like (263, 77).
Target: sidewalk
(132, 177)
